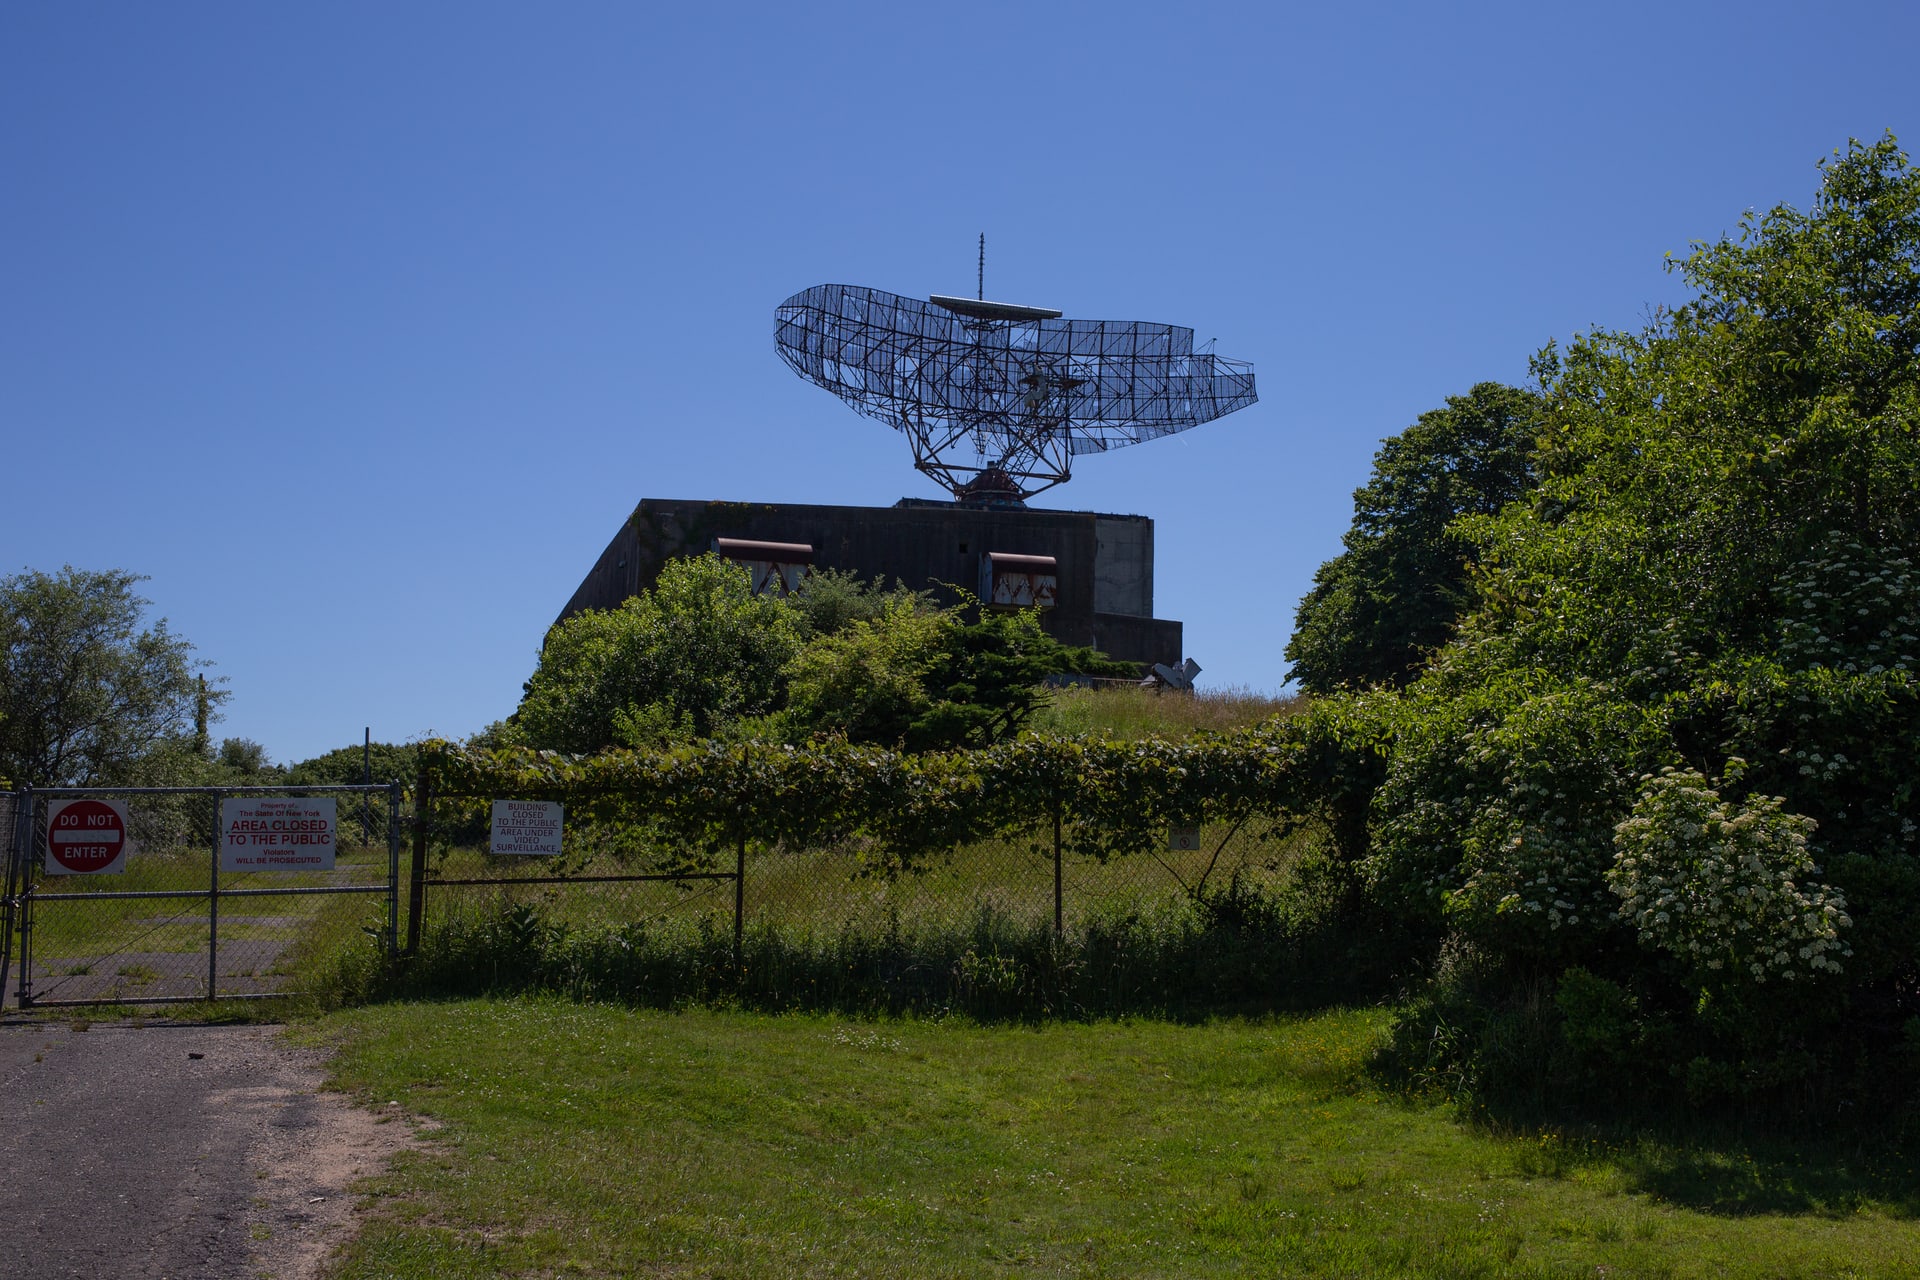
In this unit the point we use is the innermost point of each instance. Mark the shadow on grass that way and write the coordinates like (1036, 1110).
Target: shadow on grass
(1707, 1167)
(1739, 1180)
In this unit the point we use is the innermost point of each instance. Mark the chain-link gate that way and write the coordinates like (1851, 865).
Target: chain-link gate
(118, 896)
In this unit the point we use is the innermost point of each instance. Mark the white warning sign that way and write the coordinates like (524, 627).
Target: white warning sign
(275, 833)
(526, 826)
(1183, 839)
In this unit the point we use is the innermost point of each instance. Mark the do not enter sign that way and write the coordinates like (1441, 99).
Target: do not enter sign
(86, 837)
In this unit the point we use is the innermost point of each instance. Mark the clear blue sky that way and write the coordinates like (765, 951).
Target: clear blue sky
(361, 327)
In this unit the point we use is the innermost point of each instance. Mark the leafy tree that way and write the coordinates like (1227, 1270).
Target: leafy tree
(390, 762)
(1690, 669)
(87, 694)
(1380, 607)
(245, 758)
(867, 680)
(687, 657)
(930, 679)
(987, 677)
(834, 599)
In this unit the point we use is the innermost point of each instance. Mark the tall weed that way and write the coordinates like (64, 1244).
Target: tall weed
(1238, 952)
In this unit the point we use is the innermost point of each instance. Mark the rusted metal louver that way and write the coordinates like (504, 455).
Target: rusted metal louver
(777, 568)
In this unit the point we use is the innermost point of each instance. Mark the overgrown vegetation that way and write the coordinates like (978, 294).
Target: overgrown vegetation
(705, 800)
(1230, 951)
(699, 655)
(1130, 712)
(1199, 943)
(1652, 804)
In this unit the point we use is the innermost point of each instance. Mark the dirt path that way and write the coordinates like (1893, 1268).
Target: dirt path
(176, 1151)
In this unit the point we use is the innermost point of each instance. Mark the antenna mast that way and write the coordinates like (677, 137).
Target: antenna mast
(980, 294)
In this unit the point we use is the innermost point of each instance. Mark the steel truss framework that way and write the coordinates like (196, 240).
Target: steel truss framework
(998, 408)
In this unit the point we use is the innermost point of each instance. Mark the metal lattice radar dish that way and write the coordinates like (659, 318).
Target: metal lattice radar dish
(997, 399)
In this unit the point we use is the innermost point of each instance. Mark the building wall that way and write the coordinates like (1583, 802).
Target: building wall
(1105, 561)
(1123, 565)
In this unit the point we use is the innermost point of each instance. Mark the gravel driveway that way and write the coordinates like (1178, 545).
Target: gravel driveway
(174, 1150)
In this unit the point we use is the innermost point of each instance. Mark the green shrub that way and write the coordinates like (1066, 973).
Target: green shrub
(1183, 961)
(1712, 577)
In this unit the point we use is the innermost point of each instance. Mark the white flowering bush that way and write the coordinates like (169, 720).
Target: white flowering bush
(1722, 885)
(1532, 882)
(1499, 808)
(1852, 608)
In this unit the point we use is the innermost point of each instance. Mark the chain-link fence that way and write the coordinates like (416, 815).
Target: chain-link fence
(613, 877)
(605, 876)
(1020, 925)
(146, 895)
(1022, 879)
(156, 895)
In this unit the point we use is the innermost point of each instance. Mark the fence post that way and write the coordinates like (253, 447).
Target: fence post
(393, 870)
(366, 780)
(417, 883)
(1058, 922)
(213, 904)
(739, 902)
(29, 830)
(19, 839)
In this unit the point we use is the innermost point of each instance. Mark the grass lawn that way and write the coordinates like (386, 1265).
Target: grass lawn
(583, 1140)
(1129, 712)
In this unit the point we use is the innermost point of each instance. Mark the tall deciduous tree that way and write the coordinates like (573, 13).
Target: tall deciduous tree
(695, 652)
(1392, 596)
(87, 694)
(930, 679)
(1690, 680)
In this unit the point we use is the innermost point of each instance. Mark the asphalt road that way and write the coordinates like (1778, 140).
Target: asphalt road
(172, 1150)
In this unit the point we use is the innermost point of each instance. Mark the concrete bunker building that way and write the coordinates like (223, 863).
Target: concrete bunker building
(996, 401)
(1091, 573)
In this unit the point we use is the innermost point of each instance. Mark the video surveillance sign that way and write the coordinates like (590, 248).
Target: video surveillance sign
(526, 827)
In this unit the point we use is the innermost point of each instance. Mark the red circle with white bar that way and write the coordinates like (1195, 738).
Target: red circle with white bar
(85, 835)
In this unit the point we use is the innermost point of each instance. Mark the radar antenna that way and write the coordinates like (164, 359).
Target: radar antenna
(1028, 389)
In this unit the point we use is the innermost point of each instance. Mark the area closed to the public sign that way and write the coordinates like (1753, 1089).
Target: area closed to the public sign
(273, 833)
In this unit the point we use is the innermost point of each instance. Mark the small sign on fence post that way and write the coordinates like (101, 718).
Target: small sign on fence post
(86, 837)
(526, 826)
(1183, 839)
(276, 833)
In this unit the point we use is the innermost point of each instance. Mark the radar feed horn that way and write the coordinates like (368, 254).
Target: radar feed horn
(1026, 389)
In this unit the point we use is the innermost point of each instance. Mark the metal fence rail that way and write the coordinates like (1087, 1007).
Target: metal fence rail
(608, 876)
(172, 927)
(167, 925)
(611, 878)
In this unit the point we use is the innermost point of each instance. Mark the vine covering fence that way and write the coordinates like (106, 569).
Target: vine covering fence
(817, 837)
